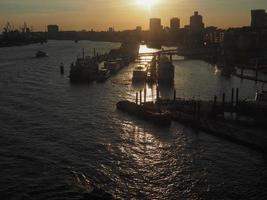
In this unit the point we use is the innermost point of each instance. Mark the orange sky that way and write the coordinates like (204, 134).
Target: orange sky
(124, 14)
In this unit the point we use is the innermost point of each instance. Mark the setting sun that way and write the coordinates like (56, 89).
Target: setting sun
(146, 3)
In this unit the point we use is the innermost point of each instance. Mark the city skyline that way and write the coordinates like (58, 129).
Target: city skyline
(122, 15)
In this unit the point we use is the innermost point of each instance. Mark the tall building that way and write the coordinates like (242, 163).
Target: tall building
(175, 23)
(155, 25)
(196, 23)
(258, 18)
(155, 29)
(52, 29)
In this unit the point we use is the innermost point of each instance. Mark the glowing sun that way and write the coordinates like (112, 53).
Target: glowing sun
(146, 3)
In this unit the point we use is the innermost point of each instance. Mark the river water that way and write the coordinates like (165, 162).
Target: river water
(55, 136)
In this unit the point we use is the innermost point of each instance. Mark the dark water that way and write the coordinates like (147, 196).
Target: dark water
(55, 136)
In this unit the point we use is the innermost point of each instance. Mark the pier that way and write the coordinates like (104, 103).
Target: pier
(227, 117)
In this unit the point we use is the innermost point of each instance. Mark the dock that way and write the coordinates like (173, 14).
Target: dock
(238, 121)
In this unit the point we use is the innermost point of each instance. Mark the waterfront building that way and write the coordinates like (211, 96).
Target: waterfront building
(155, 30)
(196, 38)
(258, 18)
(174, 23)
(196, 23)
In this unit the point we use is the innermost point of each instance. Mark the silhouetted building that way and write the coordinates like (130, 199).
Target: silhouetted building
(196, 38)
(196, 22)
(155, 31)
(258, 18)
(213, 36)
(52, 29)
(174, 23)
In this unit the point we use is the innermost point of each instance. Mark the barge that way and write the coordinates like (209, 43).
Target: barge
(153, 115)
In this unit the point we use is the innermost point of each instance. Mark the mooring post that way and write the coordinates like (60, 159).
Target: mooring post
(237, 98)
(140, 97)
(145, 95)
(174, 95)
(136, 98)
(223, 101)
(61, 68)
(157, 93)
(232, 98)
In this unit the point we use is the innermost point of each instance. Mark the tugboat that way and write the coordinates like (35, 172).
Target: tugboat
(139, 74)
(151, 114)
(41, 54)
(103, 75)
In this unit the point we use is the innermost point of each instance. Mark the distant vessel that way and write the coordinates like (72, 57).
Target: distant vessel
(41, 54)
(139, 74)
(103, 75)
(165, 71)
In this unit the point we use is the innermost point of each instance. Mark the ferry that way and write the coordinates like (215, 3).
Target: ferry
(41, 54)
(139, 74)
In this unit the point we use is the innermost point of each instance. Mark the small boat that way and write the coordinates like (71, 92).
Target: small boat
(261, 96)
(159, 118)
(139, 74)
(112, 66)
(41, 54)
(103, 74)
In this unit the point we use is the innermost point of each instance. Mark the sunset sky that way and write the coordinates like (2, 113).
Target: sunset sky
(124, 14)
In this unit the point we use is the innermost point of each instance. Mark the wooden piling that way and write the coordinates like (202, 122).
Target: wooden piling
(62, 68)
(174, 95)
(237, 97)
(136, 98)
(232, 97)
(140, 97)
(157, 93)
(145, 95)
(223, 100)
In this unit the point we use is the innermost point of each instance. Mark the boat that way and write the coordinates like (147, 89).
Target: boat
(103, 74)
(139, 74)
(85, 69)
(41, 54)
(112, 66)
(153, 115)
(261, 96)
(165, 71)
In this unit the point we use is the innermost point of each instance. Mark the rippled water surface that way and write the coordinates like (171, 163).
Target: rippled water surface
(55, 137)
